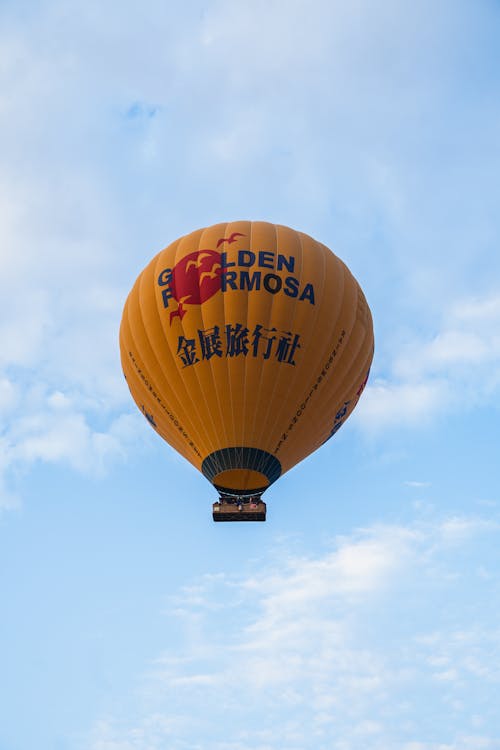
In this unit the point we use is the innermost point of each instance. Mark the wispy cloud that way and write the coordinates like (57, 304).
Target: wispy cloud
(302, 660)
(55, 428)
(467, 346)
(85, 184)
(457, 368)
(388, 403)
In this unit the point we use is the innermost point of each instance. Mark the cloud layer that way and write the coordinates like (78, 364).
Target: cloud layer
(294, 654)
(359, 138)
(457, 368)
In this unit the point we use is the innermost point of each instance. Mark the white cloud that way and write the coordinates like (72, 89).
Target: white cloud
(467, 344)
(299, 130)
(343, 120)
(456, 368)
(61, 262)
(302, 662)
(54, 428)
(483, 311)
(459, 529)
(63, 439)
(386, 404)
(9, 395)
(460, 743)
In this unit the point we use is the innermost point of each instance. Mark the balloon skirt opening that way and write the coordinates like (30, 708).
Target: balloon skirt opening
(241, 470)
(240, 481)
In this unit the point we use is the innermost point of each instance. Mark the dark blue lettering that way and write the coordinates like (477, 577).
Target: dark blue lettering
(166, 295)
(224, 262)
(291, 286)
(246, 258)
(266, 259)
(165, 277)
(289, 264)
(250, 282)
(228, 278)
(308, 293)
(276, 286)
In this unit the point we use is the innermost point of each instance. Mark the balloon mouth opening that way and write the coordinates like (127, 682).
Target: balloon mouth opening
(244, 494)
(240, 482)
(241, 470)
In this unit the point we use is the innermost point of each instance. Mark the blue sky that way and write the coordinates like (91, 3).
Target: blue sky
(365, 612)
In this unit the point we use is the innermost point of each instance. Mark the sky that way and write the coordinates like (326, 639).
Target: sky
(365, 613)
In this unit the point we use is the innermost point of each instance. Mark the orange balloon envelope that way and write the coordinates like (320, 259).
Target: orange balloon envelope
(246, 346)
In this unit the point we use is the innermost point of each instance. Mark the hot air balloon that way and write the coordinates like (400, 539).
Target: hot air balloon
(246, 345)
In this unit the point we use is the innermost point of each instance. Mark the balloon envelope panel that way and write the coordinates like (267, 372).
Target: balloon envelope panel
(246, 345)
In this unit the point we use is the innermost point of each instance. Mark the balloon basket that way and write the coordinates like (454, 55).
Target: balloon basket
(239, 510)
